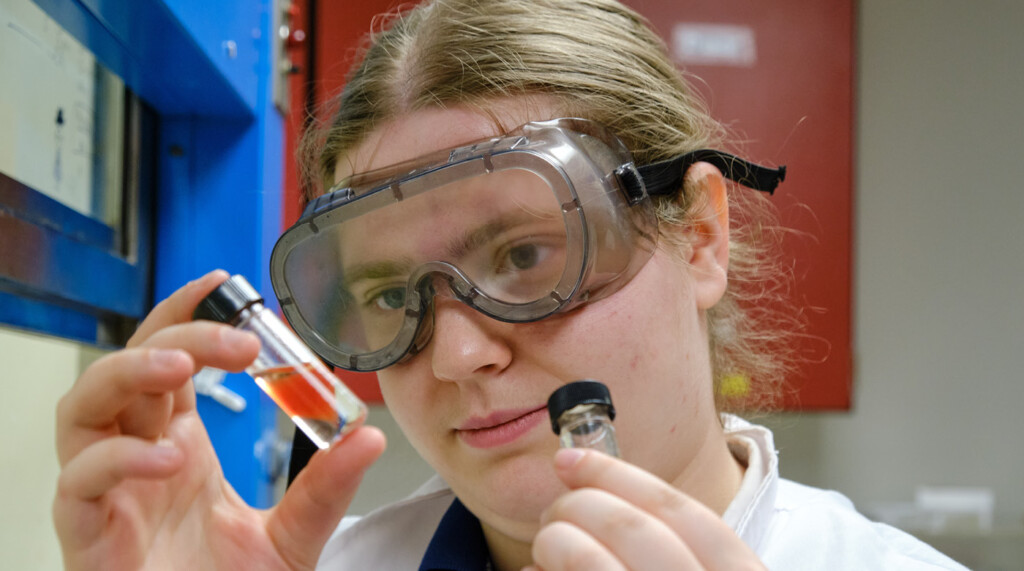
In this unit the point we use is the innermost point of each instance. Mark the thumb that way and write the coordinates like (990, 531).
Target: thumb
(316, 501)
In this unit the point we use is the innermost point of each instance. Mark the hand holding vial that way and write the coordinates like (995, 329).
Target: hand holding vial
(316, 401)
(140, 481)
(617, 515)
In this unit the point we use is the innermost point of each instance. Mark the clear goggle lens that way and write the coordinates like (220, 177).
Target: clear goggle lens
(518, 227)
(501, 232)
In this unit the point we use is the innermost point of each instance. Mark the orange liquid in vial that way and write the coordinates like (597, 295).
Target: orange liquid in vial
(310, 399)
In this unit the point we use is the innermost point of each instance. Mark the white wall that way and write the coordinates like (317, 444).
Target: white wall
(36, 371)
(939, 275)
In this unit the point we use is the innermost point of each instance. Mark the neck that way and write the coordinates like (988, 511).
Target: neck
(507, 554)
(714, 476)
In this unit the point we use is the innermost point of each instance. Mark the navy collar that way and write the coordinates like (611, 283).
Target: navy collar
(458, 544)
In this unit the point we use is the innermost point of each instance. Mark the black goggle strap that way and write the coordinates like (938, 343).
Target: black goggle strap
(665, 178)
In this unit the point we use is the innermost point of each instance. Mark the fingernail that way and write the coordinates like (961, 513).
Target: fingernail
(208, 277)
(236, 340)
(166, 358)
(566, 458)
(166, 451)
(219, 273)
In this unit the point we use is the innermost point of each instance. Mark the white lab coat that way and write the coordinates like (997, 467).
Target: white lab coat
(789, 525)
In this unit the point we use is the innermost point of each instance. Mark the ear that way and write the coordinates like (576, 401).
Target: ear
(708, 233)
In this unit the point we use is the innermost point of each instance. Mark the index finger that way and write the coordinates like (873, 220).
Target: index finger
(178, 307)
(713, 542)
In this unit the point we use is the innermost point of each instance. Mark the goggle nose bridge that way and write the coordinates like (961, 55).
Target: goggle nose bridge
(424, 281)
(426, 277)
(444, 279)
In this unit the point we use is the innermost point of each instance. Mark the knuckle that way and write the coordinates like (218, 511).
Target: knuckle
(225, 336)
(204, 334)
(598, 470)
(558, 545)
(572, 503)
(672, 501)
(631, 521)
(583, 497)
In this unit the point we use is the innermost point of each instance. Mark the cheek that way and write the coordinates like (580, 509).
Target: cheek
(646, 342)
(407, 402)
(643, 325)
(609, 344)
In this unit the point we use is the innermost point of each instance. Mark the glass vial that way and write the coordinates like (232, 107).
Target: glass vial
(581, 415)
(286, 369)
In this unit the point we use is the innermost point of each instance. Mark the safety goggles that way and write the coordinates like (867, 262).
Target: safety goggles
(519, 227)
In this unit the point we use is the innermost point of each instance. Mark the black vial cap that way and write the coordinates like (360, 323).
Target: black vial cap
(577, 393)
(228, 300)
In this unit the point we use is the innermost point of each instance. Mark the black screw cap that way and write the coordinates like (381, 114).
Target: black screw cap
(577, 393)
(228, 300)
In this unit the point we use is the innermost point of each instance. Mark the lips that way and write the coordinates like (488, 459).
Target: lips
(501, 427)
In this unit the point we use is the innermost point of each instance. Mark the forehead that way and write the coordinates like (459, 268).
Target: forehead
(446, 220)
(416, 133)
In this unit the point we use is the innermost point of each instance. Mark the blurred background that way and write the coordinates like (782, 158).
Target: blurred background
(144, 143)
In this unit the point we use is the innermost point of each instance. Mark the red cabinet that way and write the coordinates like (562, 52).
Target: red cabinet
(780, 75)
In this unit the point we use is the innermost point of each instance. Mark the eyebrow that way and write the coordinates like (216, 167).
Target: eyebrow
(482, 235)
(375, 271)
(457, 249)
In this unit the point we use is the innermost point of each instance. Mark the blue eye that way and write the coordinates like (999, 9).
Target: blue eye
(393, 298)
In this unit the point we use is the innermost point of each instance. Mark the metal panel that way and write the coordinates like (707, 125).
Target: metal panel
(218, 178)
(17, 199)
(144, 43)
(40, 261)
(34, 315)
(67, 274)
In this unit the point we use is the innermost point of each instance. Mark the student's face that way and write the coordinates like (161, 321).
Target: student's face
(473, 401)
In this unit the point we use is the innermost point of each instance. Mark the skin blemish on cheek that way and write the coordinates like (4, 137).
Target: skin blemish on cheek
(673, 429)
(634, 362)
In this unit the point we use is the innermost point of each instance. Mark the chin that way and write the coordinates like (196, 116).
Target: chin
(513, 493)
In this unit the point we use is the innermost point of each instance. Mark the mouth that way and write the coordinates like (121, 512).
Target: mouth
(499, 428)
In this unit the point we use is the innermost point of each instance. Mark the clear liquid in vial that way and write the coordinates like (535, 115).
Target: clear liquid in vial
(582, 427)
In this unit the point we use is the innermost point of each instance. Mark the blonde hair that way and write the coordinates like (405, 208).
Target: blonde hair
(599, 60)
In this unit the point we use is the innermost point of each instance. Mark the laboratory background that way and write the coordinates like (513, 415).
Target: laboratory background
(146, 142)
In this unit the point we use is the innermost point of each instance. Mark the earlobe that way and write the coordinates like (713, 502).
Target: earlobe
(709, 233)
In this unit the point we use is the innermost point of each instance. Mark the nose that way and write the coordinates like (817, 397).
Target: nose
(467, 344)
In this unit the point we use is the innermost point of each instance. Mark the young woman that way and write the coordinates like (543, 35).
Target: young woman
(515, 195)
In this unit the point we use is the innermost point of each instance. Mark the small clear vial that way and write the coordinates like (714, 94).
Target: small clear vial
(286, 369)
(581, 415)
